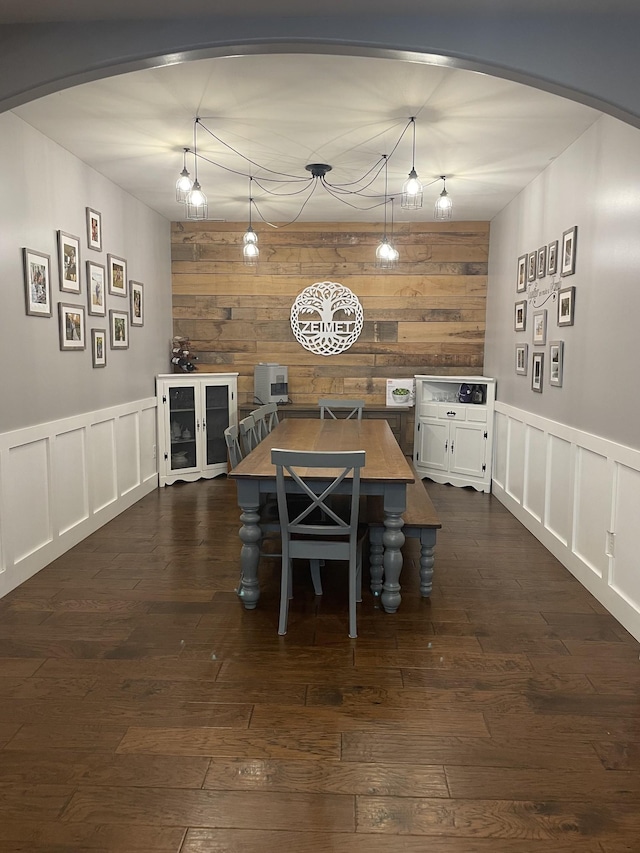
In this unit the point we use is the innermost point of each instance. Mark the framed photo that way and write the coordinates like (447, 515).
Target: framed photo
(552, 258)
(119, 329)
(542, 261)
(71, 326)
(537, 369)
(532, 267)
(521, 284)
(566, 306)
(37, 282)
(96, 289)
(522, 356)
(117, 272)
(69, 262)
(540, 327)
(568, 262)
(99, 347)
(556, 358)
(136, 289)
(94, 229)
(520, 322)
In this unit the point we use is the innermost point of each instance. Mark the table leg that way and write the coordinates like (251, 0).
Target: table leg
(251, 537)
(376, 556)
(395, 498)
(427, 544)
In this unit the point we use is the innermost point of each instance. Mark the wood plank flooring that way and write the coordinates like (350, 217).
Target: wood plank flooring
(143, 710)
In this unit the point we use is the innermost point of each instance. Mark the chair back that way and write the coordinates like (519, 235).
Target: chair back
(248, 434)
(335, 408)
(319, 531)
(259, 415)
(271, 415)
(231, 437)
(310, 526)
(266, 417)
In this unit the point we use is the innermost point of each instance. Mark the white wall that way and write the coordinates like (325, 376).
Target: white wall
(567, 461)
(77, 444)
(46, 189)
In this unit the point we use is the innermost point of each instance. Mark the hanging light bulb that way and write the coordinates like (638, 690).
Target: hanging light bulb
(250, 250)
(184, 182)
(196, 201)
(386, 255)
(412, 188)
(444, 205)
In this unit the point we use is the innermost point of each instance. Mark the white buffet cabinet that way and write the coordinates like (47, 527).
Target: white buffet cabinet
(193, 413)
(453, 441)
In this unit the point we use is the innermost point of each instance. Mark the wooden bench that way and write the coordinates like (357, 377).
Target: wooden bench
(420, 522)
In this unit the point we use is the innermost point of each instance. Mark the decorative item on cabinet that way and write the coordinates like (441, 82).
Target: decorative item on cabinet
(193, 413)
(453, 437)
(182, 355)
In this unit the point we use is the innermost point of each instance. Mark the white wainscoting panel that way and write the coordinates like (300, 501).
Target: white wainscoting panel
(535, 465)
(29, 468)
(148, 445)
(559, 494)
(580, 498)
(625, 566)
(515, 459)
(70, 473)
(61, 481)
(128, 444)
(592, 509)
(500, 443)
(102, 438)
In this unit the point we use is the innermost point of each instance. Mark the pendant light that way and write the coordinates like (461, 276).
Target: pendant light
(412, 188)
(196, 202)
(184, 182)
(386, 255)
(444, 205)
(250, 250)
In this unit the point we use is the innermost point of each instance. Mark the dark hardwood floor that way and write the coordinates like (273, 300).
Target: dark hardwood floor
(143, 709)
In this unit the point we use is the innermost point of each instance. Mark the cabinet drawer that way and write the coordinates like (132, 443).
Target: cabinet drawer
(429, 410)
(452, 412)
(477, 414)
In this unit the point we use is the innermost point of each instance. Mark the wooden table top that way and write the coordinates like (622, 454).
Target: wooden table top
(384, 462)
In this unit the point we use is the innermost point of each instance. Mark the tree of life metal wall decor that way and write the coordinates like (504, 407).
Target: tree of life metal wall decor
(326, 318)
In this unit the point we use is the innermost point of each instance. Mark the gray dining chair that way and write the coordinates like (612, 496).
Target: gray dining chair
(232, 440)
(266, 417)
(310, 526)
(248, 434)
(340, 408)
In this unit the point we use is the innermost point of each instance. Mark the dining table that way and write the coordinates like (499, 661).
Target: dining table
(386, 472)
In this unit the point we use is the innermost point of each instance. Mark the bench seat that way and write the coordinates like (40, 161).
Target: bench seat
(420, 522)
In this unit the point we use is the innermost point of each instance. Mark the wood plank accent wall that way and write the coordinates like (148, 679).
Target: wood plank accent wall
(425, 316)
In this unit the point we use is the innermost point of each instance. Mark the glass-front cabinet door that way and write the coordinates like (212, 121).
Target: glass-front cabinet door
(183, 427)
(216, 418)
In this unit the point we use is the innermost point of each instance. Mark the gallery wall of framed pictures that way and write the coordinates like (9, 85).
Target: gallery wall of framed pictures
(540, 294)
(102, 280)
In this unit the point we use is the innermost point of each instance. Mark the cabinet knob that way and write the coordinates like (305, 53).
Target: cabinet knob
(451, 414)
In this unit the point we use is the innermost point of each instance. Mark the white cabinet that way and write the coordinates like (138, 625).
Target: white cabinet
(193, 413)
(453, 440)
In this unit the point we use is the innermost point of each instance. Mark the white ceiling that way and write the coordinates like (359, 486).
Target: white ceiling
(491, 137)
